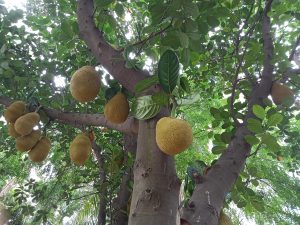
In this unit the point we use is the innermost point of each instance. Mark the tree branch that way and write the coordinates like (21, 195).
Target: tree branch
(293, 52)
(208, 197)
(110, 58)
(83, 119)
(103, 188)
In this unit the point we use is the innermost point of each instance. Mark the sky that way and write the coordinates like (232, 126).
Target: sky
(11, 4)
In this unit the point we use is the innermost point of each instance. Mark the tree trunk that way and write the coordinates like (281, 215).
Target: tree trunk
(155, 197)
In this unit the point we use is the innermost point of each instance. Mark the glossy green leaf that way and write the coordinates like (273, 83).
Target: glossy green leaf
(270, 141)
(218, 149)
(145, 108)
(259, 111)
(146, 83)
(275, 119)
(254, 125)
(168, 71)
(252, 140)
(161, 98)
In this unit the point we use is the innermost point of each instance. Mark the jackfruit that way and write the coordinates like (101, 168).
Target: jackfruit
(11, 131)
(14, 111)
(40, 151)
(281, 93)
(116, 109)
(85, 84)
(80, 149)
(25, 124)
(173, 135)
(224, 219)
(25, 143)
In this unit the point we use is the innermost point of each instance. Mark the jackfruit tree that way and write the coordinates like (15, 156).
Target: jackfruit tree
(150, 112)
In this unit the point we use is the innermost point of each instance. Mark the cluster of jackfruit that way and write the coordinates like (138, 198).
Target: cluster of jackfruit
(173, 135)
(85, 84)
(281, 94)
(20, 126)
(80, 149)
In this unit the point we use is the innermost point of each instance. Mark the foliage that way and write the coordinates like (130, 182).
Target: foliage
(219, 48)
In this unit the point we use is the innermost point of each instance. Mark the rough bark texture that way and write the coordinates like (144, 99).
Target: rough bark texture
(78, 119)
(103, 189)
(156, 187)
(110, 58)
(120, 204)
(207, 200)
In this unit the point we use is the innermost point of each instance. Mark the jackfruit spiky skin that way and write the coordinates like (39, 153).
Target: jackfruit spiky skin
(224, 219)
(25, 124)
(12, 132)
(116, 110)
(25, 143)
(85, 84)
(40, 151)
(80, 149)
(173, 135)
(14, 111)
(281, 93)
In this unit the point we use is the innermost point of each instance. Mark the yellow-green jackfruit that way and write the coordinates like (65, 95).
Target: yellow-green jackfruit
(224, 219)
(173, 135)
(80, 149)
(25, 143)
(14, 111)
(26, 123)
(116, 109)
(40, 151)
(85, 84)
(281, 93)
(11, 131)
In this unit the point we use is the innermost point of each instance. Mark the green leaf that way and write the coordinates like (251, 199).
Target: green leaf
(226, 137)
(102, 3)
(168, 71)
(184, 84)
(274, 119)
(146, 83)
(270, 141)
(254, 125)
(190, 9)
(144, 107)
(161, 98)
(218, 149)
(184, 39)
(252, 140)
(259, 111)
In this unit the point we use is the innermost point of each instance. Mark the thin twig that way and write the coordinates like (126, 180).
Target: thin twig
(293, 52)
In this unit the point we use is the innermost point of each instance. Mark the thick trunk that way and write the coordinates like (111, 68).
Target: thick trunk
(155, 196)
(120, 205)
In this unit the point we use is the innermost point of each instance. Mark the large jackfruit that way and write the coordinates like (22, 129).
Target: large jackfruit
(173, 135)
(26, 123)
(85, 84)
(25, 143)
(80, 149)
(40, 151)
(116, 109)
(14, 111)
(281, 94)
(224, 219)
(11, 131)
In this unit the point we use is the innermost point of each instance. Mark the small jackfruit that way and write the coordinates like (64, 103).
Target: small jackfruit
(85, 84)
(25, 143)
(14, 111)
(40, 151)
(173, 135)
(116, 110)
(224, 219)
(80, 149)
(11, 131)
(25, 124)
(281, 93)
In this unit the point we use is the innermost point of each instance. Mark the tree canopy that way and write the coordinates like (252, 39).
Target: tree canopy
(226, 54)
